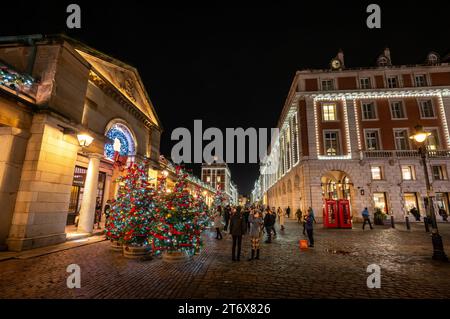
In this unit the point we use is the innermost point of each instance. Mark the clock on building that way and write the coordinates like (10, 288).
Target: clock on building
(336, 64)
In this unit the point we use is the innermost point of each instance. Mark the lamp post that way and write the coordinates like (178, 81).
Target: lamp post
(420, 137)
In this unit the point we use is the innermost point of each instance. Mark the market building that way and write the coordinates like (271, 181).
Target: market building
(218, 176)
(71, 119)
(344, 135)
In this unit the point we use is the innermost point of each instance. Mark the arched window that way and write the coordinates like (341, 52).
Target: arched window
(382, 61)
(121, 139)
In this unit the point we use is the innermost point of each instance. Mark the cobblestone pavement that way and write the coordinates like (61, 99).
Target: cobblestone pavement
(335, 268)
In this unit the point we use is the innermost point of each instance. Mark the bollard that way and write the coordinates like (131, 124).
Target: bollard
(408, 226)
(427, 227)
(392, 221)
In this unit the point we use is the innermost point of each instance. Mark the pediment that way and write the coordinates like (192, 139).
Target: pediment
(124, 78)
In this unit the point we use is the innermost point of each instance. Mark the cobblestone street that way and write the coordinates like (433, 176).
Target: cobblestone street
(335, 268)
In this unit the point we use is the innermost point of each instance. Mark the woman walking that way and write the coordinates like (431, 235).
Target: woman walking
(218, 223)
(256, 224)
(281, 219)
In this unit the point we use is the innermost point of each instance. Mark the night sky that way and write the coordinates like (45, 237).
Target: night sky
(232, 67)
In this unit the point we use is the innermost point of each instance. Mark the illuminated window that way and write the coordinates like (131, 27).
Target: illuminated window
(433, 140)
(376, 172)
(219, 179)
(408, 172)
(208, 179)
(329, 112)
(379, 200)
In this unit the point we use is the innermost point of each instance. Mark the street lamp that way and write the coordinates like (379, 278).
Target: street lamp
(420, 137)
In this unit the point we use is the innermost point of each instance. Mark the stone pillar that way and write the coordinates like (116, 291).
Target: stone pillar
(87, 210)
(40, 211)
(13, 142)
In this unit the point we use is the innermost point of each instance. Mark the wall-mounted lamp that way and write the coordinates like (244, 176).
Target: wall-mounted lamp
(85, 140)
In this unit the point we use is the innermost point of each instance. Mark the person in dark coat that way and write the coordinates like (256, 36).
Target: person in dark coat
(309, 225)
(226, 215)
(237, 230)
(269, 224)
(288, 212)
(246, 217)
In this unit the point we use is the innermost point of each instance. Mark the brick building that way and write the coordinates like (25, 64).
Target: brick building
(344, 134)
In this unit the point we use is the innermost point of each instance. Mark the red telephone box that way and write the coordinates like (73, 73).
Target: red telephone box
(330, 214)
(345, 219)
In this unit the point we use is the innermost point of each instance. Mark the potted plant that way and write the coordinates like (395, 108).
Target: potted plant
(379, 217)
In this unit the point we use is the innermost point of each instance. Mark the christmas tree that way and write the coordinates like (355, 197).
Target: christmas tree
(180, 218)
(131, 214)
(220, 199)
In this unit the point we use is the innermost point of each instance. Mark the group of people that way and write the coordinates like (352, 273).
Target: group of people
(255, 221)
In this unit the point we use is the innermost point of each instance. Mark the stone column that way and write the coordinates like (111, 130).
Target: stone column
(13, 142)
(87, 210)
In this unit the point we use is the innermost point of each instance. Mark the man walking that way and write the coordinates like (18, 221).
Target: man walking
(366, 217)
(288, 212)
(269, 222)
(309, 225)
(237, 229)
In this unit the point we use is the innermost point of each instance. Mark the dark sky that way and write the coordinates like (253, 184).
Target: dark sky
(233, 66)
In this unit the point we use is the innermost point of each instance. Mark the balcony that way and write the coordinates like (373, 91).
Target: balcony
(403, 154)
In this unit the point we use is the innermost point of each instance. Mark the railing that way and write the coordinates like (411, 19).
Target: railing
(404, 154)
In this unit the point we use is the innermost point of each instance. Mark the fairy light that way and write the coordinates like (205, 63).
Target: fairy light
(444, 120)
(358, 132)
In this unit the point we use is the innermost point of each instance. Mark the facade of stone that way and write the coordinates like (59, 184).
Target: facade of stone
(344, 134)
(53, 89)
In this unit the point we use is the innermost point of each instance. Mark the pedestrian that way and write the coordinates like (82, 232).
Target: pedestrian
(309, 225)
(218, 223)
(237, 230)
(269, 222)
(246, 218)
(281, 220)
(308, 213)
(98, 212)
(227, 213)
(279, 213)
(299, 216)
(288, 212)
(366, 217)
(256, 224)
(106, 210)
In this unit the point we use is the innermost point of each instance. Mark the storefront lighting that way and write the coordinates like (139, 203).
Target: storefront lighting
(165, 173)
(85, 140)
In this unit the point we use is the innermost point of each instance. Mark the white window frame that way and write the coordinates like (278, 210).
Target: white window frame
(381, 173)
(444, 172)
(408, 141)
(323, 112)
(340, 149)
(405, 116)
(375, 109)
(424, 77)
(365, 78)
(419, 103)
(434, 128)
(380, 145)
(396, 77)
(412, 172)
(333, 83)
